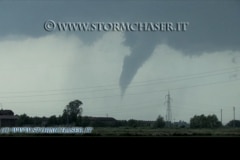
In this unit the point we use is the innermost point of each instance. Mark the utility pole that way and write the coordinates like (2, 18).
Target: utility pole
(234, 113)
(221, 115)
(233, 116)
(169, 111)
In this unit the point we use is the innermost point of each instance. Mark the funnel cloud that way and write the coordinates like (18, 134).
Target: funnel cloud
(141, 50)
(210, 30)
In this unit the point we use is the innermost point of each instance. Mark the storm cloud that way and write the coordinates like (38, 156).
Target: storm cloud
(213, 29)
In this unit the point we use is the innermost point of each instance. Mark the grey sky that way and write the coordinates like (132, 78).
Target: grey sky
(40, 68)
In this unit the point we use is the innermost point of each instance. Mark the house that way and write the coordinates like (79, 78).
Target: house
(7, 118)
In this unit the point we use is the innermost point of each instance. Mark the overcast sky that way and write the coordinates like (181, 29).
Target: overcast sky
(125, 75)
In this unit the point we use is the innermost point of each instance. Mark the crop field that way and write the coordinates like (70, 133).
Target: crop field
(144, 132)
(125, 131)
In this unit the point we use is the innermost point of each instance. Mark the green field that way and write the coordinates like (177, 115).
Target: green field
(127, 131)
(146, 132)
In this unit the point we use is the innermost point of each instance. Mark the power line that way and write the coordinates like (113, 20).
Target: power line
(133, 94)
(181, 78)
(135, 84)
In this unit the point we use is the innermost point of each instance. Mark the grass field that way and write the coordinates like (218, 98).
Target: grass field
(125, 131)
(147, 132)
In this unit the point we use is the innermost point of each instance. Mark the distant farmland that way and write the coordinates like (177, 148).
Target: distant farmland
(127, 131)
(146, 132)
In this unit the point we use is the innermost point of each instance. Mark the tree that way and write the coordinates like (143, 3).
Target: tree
(72, 112)
(38, 121)
(202, 121)
(133, 123)
(233, 123)
(213, 121)
(52, 121)
(24, 120)
(159, 123)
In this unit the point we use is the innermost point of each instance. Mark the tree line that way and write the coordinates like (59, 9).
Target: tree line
(72, 116)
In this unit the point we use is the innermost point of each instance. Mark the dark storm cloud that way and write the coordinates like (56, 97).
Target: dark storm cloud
(213, 26)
